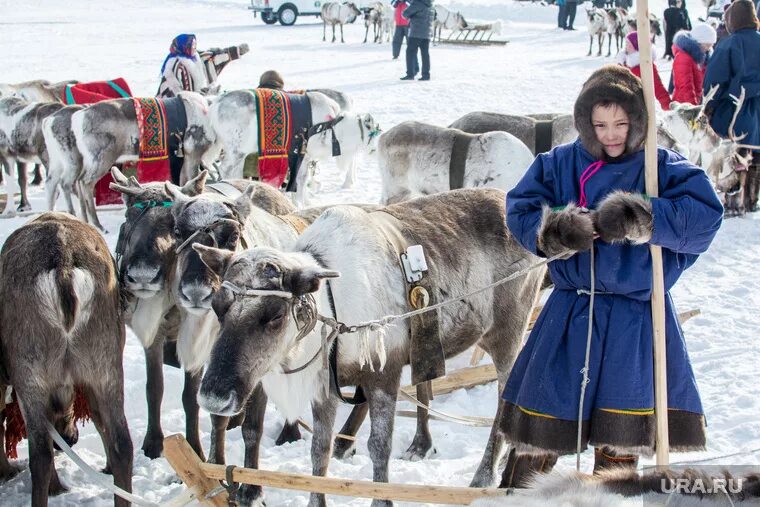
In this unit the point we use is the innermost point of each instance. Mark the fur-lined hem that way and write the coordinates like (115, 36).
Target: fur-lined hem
(625, 433)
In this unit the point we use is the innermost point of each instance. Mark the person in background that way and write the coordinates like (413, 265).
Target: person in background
(182, 68)
(722, 32)
(676, 18)
(733, 66)
(589, 196)
(561, 17)
(571, 7)
(271, 79)
(402, 26)
(631, 58)
(691, 49)
(420, 14)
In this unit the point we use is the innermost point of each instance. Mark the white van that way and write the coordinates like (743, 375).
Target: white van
(287, 11)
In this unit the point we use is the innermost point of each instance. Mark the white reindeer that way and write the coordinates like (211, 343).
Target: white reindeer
(450, 20)
(334, 13)
(597, 26)
(373, 17)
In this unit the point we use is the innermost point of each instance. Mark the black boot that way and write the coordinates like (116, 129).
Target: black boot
(607, 458)
(521, 468)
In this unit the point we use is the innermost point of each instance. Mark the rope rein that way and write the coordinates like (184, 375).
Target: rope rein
(585, 369)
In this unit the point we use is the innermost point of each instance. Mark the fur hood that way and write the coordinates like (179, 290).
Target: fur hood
(632, 60)
(684, 41)
(611, 84)
(740, 15)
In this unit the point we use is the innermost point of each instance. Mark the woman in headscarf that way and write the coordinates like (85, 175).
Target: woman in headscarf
(183, 69)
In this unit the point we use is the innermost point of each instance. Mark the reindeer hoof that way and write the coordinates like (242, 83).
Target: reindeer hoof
(153, 447)
(419, 451)
(343, 448)
(24, 207)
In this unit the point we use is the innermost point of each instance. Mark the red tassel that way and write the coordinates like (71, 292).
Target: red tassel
(81, 407)
(15, 430)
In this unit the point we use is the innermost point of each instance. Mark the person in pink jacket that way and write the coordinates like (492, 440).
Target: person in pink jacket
(691, 50)
(632, 59)
(402, 26)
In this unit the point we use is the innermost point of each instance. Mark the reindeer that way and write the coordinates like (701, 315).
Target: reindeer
(353, 133)
(22, 143)
(419, 159)
(334, 13)
(146, 258)
(616, 28)
(38, 90)
(259, 340)
(65, 329)
(655, 27)
(596, 27)
(106, 133)
(444, 18)
(373, 16)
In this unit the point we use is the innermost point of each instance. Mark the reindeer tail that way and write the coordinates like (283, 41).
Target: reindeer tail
(67, 297)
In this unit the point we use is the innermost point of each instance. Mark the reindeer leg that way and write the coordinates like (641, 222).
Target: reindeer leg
(422, 444)
(590, 44)
(609, 44)
(153, 443)
(23, 178)
(324, 31)
(343, 447)
(600, 37)
(382, 412)
(341, 33)
(253, 428)
(324, 418)
(11, 186)
(37, 181)
(333, 28)
(218, 432)
(190, 403)
(107, 401)
(366, 34)
(41, 464)
(88, 191)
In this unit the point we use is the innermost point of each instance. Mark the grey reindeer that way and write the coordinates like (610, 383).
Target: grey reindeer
(61, 325)
(146, 260)
(467, 246)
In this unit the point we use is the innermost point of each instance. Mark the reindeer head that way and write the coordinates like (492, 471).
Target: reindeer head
(265, 300)
(372, 131)
(355, 11)
(210, 220)
(728, 168)
(145, 248)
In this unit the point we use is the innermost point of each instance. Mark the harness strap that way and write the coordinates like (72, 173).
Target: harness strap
(322, 127)
(358, 397)
(297, 223)
(458, 161)
(231, 486)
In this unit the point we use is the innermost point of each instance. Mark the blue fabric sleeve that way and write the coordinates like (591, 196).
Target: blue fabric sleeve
(688, 213)
(526, 201)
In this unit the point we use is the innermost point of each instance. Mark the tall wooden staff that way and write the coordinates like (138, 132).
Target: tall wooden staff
(658, 281)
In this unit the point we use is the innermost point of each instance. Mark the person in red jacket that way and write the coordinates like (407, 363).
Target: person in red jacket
(631, 59)
(691, 50)
(402, 26)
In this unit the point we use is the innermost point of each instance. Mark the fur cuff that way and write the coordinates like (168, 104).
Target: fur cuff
(624, 216)
(570, 230)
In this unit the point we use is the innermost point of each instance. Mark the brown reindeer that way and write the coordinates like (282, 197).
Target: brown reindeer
(61, 325)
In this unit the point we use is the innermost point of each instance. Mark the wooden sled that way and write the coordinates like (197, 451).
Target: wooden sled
(474, 35)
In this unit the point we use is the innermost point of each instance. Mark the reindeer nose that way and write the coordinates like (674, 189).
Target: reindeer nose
(143, 274)
(197, 295)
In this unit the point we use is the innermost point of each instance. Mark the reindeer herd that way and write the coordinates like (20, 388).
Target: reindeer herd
(615, 23)
(254, 298)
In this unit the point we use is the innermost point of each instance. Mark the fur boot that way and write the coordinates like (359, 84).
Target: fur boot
(624, 216)
(521, 468)
(606, 458)
(570, 229)
(752, 185)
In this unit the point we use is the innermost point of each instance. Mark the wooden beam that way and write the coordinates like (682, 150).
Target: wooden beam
(187, 464)
(362, 489)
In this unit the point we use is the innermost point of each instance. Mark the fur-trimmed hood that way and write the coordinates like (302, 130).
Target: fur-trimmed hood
(632, 60)
(686, 43)
(611, 84)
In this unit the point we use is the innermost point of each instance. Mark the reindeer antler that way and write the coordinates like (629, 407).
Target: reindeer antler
(738, 102)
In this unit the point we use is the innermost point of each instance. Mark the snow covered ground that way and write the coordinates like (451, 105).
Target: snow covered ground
(540, 70)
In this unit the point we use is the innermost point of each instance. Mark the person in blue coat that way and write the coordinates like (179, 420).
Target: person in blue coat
(584, 197)
(735, 65)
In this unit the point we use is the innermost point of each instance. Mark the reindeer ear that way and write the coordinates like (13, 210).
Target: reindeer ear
(307, 280)
(175, 193)
(216, 259)
(196, 185)
(242, 204)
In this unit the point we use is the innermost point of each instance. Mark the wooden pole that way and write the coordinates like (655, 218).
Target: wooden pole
(363, 489)
(658, 280)
(187, 464)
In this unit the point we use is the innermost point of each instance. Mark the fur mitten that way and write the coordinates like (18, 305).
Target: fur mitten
(622, 216)
(570, 229)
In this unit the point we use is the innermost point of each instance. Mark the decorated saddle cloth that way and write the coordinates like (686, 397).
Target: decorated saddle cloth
(282, 119)
(95, 91)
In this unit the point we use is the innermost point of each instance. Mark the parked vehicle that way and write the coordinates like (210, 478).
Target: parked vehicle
(285, 11)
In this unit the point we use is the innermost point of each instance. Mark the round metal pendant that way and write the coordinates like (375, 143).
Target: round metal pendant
(419, 297)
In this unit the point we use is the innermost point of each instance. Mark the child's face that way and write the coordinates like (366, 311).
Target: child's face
(611, 128)
(629, 47)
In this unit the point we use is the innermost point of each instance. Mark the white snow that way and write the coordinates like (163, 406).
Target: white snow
(540, 70)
